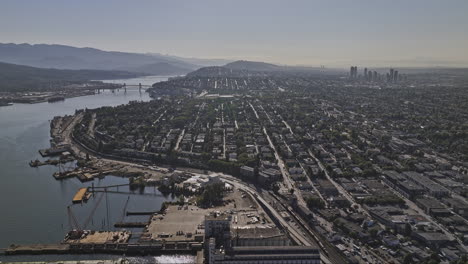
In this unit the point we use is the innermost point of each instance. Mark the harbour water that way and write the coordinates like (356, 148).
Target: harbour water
(33, 204)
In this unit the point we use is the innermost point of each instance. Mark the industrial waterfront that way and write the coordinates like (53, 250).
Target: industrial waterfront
(34, 204)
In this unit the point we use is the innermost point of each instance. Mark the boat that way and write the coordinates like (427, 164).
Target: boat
(5, 103)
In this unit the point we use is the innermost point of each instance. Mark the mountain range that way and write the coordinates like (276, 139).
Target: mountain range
(73, 58)
(20, 78)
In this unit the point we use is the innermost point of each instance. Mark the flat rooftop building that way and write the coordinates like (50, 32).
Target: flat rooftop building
(251, 237)
(263, 255)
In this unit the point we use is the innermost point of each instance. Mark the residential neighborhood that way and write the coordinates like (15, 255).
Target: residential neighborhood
(377, 168)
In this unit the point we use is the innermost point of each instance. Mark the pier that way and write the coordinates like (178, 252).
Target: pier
(130, 224)
(107, 248)
(54, 151)
(38, 249)
(83, 174)
(142, 213)
(63, 175)
(81, 195)
(55, 162)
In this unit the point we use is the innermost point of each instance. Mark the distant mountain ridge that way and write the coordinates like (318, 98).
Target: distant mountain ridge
(67, 57)
(256, 66)
(158, 68)
(20, 78)
(221, 71)
(253, 66)
(197, 61)
(73, 58)
(236, 69)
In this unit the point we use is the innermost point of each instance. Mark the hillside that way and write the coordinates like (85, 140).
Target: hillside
(217, 71)
(252, 66)
(19, 78)
(255, 66)
(203, 62)
(67, 57)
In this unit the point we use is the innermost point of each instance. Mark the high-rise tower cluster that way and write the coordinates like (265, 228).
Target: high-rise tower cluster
(372, 76)
(353, 72)
(393, 76)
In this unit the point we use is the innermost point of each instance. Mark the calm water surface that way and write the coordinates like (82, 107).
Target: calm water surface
(33, 205)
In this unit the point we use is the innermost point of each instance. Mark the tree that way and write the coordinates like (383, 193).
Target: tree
(212, 195)
(275, 187)
(434, 259)
(462, 260)
(408, 259)
(163, 207)
(315, 203)
(181, 200)
(407, 230)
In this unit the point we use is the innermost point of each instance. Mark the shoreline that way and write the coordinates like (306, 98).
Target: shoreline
(35, 97)
(46, 100)
(82, 151)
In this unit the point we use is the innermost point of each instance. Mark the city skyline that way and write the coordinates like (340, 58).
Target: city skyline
(332, 33)
(218, 132)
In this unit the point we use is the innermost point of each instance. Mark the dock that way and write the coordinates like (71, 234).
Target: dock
(130, 224)
(54, 151)
(107, 248)
(83, 175)
(81, 195)
(142, 213)
(64, 175)
(106, 242)
(55, 162)
(38, 249)
(86, 176)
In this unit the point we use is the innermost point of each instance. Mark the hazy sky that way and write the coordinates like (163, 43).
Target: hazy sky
(329, 32)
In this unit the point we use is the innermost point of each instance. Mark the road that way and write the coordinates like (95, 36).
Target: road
(92, 124)
(147, 142)
(255, 111)
(224, 131)
(179, 139)
(304, 170)
(338, 186)
(268, 116)
(281, 164)
(66, 135)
